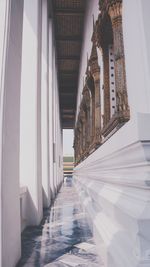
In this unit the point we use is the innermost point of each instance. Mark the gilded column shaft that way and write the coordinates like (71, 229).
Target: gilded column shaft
(93, 116)
(84, 133)
(81, 140)
(86, 129)
(105, 53)
(115, 12)
(97, 108)
(95, 71)
(88, 126)
(78, 149)
(86, 107)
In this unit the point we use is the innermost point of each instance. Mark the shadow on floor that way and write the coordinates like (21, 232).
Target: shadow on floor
(63, 237)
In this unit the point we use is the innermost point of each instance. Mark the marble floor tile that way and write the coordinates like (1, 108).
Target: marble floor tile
(63, 239)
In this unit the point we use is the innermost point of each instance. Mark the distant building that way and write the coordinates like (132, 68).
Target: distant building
(68, 162)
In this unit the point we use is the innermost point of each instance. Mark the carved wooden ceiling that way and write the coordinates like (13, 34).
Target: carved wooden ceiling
(69, 20)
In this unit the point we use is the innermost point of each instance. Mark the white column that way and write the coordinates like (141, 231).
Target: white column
(44, 110)
(56, 127)
(54, 122)
(51, 109)
(56, 133)
(11, 15)
(59, 144)
(30, 137)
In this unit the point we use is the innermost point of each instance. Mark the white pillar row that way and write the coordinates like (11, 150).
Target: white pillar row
(61, 157)
(11, 16)
(58, 135)
(44, 107)
(30, 136)
(52, 189)
(59, 146)
(60, 154)
(56, 131)
(57, 138)
(54, 122)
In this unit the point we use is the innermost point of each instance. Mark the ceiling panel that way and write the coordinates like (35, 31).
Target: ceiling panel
(69, 22)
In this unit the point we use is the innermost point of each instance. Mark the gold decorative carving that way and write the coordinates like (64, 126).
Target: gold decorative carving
(107, 31)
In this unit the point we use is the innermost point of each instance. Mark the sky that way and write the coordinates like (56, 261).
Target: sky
(68, 137)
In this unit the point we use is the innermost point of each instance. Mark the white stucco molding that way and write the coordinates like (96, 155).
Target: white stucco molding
(115, 191)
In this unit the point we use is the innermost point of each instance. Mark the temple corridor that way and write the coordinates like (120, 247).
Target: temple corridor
(63, 238)
(80, 66)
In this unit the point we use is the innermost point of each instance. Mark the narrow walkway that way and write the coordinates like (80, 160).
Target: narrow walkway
(63, 238)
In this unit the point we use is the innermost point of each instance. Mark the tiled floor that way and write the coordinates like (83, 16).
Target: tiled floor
(63, 238)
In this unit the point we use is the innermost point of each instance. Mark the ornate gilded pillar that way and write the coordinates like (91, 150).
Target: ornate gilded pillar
(90, 88)
(102, 38)
(80, 139)
(77, 147)
(88, 126)
(95, 71)
(93, 116)
(90, 120)
(105, 55)
(115, 12)
(84, 131)
(86, 99)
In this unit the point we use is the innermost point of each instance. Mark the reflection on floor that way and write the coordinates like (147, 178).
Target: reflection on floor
(63, 238)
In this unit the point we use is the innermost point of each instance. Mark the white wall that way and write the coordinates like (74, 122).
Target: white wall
(57, 131)
(45, 106)
(30, 118)
(145, 5)
(137, 69)
(26, 112)
(40, 119)
(51, 165)
(114, 181)
(11, 13)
